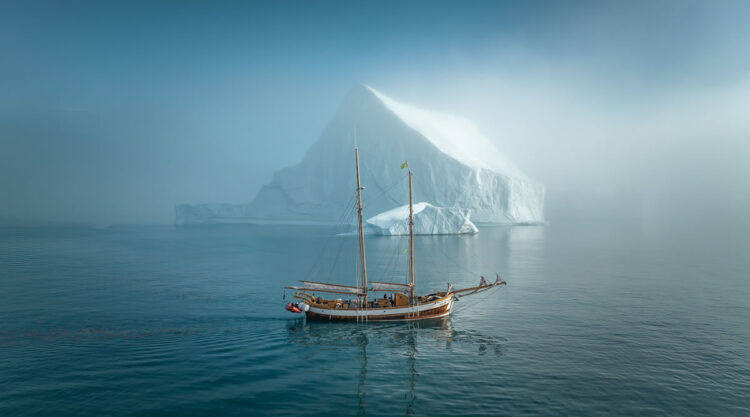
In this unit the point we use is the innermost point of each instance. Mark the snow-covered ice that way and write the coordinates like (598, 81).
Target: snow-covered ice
(454, 166)
(428, 220)
(454, 135)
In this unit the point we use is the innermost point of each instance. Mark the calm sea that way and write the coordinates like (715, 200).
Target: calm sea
(596, 320)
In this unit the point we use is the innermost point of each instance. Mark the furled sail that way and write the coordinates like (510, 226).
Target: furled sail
(333, 288)
(389, 286)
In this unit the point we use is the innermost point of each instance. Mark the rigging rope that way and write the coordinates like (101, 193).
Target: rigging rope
(462, 307)
(451, 258)
(385, 192)
(394, 259)
(345, 214)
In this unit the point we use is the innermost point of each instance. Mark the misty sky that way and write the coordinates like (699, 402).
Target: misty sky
(114, 112)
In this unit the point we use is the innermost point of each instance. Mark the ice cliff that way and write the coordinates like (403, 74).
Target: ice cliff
(428, 220)
(454, 165)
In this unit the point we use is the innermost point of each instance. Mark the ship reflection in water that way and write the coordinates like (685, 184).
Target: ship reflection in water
(399, 339)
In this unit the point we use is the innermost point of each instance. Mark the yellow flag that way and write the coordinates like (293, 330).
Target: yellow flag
(404, 165)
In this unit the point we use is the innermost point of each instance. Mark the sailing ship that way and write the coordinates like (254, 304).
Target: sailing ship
(404, 304)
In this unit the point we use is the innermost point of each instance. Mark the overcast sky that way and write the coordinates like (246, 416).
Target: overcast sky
(114, 112)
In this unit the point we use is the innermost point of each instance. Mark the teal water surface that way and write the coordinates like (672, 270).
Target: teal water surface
(596, 320)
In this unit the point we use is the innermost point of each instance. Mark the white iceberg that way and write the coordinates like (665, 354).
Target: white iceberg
(454, 165)
(428, 220)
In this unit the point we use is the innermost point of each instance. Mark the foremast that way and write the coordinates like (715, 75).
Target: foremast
(361, 231)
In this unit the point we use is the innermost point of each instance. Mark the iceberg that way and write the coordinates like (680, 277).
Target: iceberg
(428, 220)
(454, 165)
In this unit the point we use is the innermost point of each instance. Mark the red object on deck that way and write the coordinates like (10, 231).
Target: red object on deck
(293, 308)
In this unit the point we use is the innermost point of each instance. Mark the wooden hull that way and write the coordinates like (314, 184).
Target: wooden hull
(430, 310)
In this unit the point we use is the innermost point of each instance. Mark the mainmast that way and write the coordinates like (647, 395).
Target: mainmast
(361, 231)
(411, 236)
